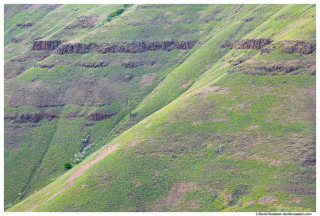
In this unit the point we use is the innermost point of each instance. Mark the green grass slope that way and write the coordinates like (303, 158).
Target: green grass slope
(67, 97)
(214, 129)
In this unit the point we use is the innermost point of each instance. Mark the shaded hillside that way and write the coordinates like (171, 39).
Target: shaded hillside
(183, 108)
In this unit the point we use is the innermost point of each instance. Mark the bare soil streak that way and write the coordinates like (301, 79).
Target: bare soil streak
(83, 168)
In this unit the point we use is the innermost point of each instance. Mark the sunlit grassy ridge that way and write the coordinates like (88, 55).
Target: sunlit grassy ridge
(207, 138)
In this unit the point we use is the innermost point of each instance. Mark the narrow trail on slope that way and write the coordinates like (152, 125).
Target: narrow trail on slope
(81, 170)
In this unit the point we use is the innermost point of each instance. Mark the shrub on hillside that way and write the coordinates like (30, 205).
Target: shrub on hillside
(67, 165)
(115, 13)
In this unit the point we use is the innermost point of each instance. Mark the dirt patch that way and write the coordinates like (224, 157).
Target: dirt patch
(249, 203)
(237, 156)
(86, 166)
(253, 127)
(267, 199)
(181, 52)
(185, 85)
(296, 200)
(247, 44)
(275, 162)
(148, 125)
(227, 198)
(175, 196)
(136, 183)
(84, 22)
(131, 143)
(147, 79)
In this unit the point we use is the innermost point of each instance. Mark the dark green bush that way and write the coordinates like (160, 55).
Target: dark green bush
(116, 13)
(230, 61)
(67, 165)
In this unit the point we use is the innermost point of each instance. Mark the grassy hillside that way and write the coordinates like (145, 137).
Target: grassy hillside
(228, 125)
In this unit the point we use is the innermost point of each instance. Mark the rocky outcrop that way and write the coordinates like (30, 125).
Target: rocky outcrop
(94, 65)
(84, 22)
(247, 44)
(267, 50)
(130, 65)
(88, 124)
(123, 77)
(24, 25)
(33, 117)
(133, 115)
(46, 45)
(77, 48)
(297, 47)
(226, 44)
(100, 115)
(18, 59)
(272, 70)
(286, 69)
(145, 46)
(253, 43)
(15, 40)
(24, 118)
(135, 47)
(46, 66)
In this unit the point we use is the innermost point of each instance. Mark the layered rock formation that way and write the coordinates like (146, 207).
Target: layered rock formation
(145, 46)
(286, 69)
(15, 40)
(247, 44)
(94, 65)
(298, 47)
(100, 115)
(31, 117)
(46, 66)
(135, 47)
(46, 45)
(130, 65)
(24, 25)
(78, 48)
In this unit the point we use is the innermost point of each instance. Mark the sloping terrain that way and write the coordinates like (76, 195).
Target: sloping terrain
(173, 107)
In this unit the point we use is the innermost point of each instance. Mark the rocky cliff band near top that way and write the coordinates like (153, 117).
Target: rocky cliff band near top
(160, 108)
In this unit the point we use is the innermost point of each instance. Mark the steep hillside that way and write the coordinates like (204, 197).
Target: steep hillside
(161, 108)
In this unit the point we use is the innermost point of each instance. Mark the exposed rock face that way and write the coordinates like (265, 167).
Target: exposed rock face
(253, 43)
(133, 115)
(31, 117)
(50, 115)
(297, 47)
(46, 66)
(84, 22)
(130, 65)
(46, 45)
(226, 44)
(77, 48)
(145, 46)
(247, 44)
(287, 69)
(15, 40)
(18, 59)
(123, 77)
(94, 65)
(267, 49)
(24, 118)
(135, 47)
(100, 115)
(24, 25)
(88, 124)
